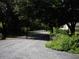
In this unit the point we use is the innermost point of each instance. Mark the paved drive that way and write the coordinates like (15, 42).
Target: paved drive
(16, 48)
(31, 48)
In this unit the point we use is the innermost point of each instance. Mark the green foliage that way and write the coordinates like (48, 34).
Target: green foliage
(57, 31)
(64, 42)
(32, 13)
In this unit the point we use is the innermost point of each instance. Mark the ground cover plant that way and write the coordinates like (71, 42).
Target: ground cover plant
(64, 42)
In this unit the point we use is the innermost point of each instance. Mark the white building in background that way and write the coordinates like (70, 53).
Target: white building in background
(64, 27)
(77, 27)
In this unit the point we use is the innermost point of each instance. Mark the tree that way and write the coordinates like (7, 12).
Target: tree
(44, 11)
(56, 12)
(71, 14)
(9, 18)
(32, 13)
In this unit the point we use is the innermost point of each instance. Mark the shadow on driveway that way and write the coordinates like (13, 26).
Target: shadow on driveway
(35, 35)
(38, 35)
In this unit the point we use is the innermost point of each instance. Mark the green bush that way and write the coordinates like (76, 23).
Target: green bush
(59, 31)
(64, 42)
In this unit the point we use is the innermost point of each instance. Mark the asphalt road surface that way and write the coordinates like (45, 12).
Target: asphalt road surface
(21, 48)
(16, 48)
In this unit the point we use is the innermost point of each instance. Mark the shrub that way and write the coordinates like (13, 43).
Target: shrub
(64, 42)
(57, 30)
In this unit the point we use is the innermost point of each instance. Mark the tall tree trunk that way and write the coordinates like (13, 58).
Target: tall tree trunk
(3, 31)
(51, 28)
(71, 26)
